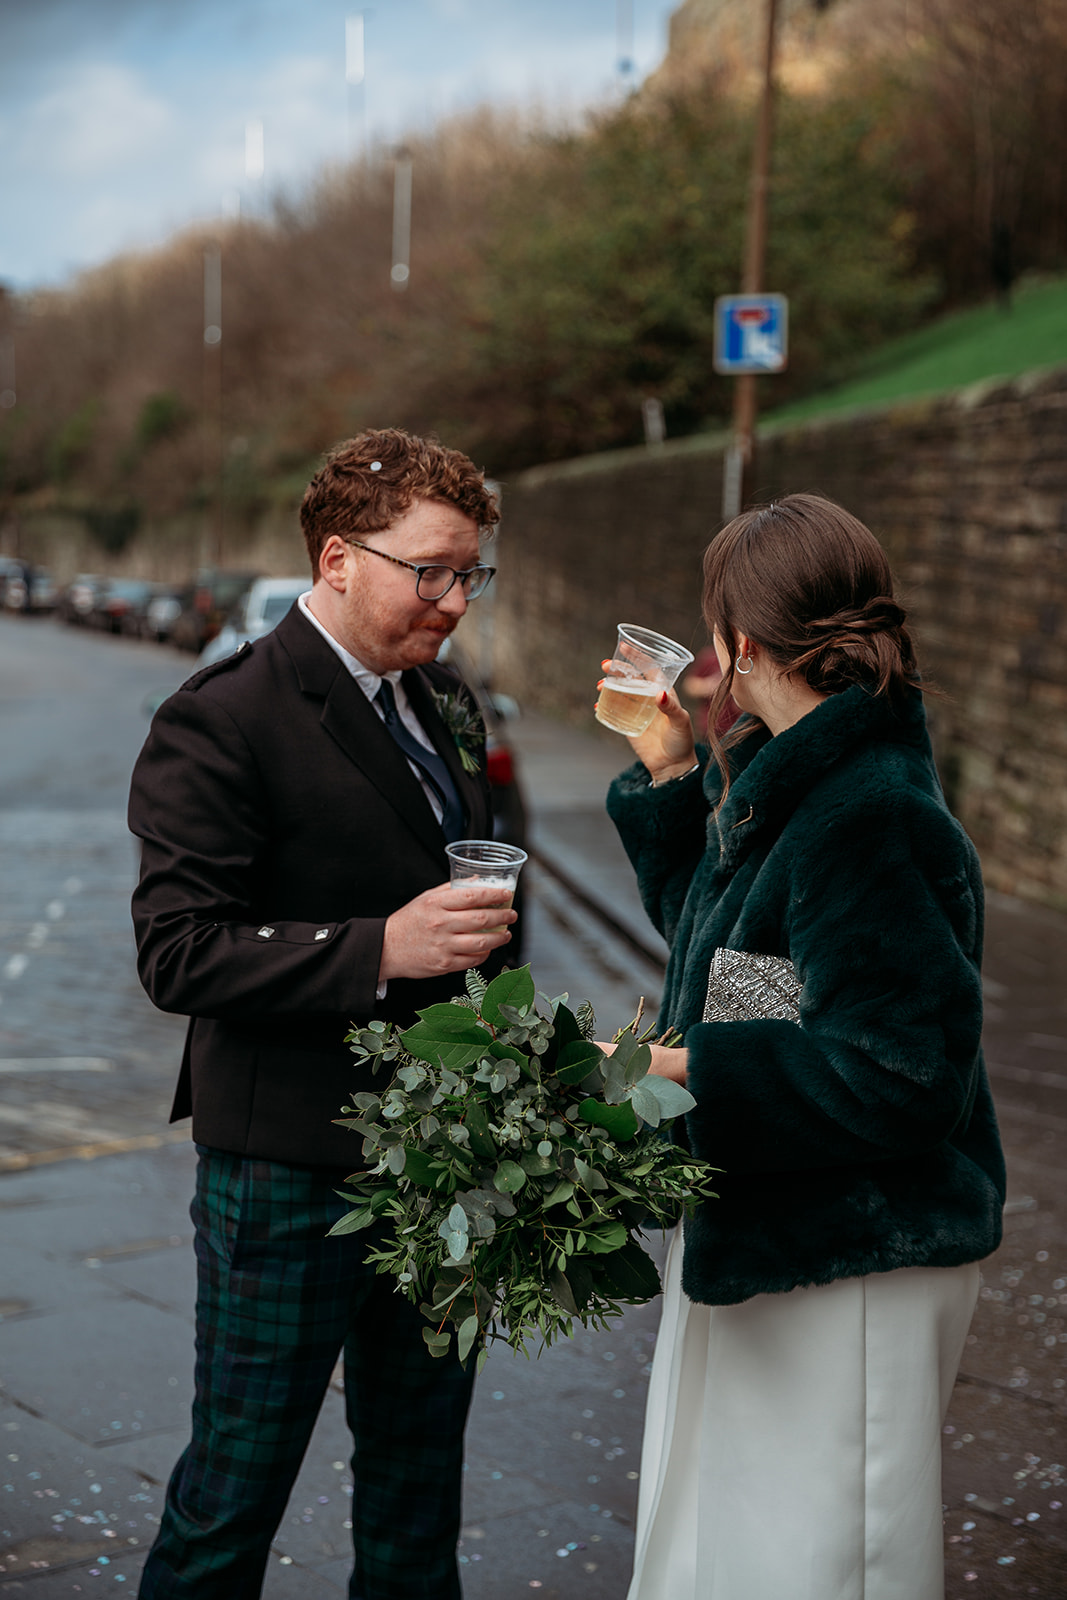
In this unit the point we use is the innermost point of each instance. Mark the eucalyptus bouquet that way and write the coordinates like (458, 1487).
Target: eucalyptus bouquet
(511, 1163)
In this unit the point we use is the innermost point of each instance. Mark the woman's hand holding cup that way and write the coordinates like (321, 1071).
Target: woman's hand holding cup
(637, 700)
(667, 747)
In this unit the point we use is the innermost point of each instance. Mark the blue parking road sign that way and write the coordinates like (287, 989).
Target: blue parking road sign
(751, 333)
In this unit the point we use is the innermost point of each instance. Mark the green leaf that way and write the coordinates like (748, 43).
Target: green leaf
(511, 989)
(561, 1192)
(418, 1166)
(438, 1343)
(673, 1098)
(465, 1337)
(508, 1052)
(645, 1104)
(630, 1274)
(634, 1058)
(395, 1159)
(561, 1291)
(477, 1125)
(447, 1034)
(509, 1177)
(458, 1244)
(616, 1086)
(353, 1222)
(577, 1061)
(565, 1031)
(608, 1236)
(536, 1165)
(618, 1120)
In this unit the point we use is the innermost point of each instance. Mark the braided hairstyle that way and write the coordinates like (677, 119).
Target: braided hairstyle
(811, 585)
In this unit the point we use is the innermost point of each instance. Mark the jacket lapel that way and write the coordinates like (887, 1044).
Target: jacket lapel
(354, 725)
(419, 690)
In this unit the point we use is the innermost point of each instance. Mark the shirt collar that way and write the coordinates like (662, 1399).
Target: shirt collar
(370, 682)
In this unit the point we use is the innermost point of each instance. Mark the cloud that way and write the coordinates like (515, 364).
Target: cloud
(122, 118)
(97, 117)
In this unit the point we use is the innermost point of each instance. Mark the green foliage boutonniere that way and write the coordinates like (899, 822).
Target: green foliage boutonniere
(463, 721)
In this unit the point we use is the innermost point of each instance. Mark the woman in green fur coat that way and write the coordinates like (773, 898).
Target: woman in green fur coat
(814, 1322)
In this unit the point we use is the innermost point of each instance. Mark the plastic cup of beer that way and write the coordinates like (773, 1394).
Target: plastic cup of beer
(644, 664)
(487, 863)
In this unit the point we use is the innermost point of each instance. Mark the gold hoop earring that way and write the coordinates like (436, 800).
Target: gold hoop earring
(744, 671)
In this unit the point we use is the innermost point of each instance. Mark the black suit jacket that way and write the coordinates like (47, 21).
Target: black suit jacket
(280, 827)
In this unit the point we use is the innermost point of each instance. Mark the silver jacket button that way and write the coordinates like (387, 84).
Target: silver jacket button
(266, 933)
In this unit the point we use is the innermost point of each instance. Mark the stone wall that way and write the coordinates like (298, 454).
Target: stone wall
(968, 494)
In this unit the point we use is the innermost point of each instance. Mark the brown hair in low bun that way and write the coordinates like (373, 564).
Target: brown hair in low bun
(811, 585)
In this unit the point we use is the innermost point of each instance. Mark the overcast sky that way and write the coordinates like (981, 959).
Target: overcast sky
(121, 120)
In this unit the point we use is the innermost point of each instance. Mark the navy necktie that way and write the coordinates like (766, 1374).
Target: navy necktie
(429, 763)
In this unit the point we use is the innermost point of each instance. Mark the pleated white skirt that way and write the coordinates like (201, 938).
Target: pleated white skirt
(792, 1444)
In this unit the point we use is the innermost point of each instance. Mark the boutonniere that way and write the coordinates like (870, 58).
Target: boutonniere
(464, 722)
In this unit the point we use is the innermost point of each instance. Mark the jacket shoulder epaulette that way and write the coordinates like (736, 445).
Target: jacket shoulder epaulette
(227, 664)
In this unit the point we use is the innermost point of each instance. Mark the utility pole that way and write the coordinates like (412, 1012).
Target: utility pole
(624, 43)
(401, 270)
(212, 391)
(738, 463)
(254, 163)
(355, 80)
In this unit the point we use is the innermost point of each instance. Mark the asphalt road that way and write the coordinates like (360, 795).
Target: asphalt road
(87, 1067)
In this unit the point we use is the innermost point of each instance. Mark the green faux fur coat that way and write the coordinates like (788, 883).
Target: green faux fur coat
(864, 1139)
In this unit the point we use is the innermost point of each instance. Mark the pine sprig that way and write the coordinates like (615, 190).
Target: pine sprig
(511, 1163)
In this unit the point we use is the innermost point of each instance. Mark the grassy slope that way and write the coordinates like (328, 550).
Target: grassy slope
(959, 349)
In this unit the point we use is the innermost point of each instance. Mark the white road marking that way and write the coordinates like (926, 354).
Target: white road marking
(37, 935)
(55, 910)
(16, 966)
(23, 1064)
(69, 1123)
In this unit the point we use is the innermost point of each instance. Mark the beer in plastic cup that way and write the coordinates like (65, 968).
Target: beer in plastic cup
(644, 664)
(489, 864)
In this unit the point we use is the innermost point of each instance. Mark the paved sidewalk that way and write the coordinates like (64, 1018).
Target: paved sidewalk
(96, 1292)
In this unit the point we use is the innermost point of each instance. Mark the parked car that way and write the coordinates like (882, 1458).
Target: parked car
(161, 613)
(79, 597)
(32, 591)
(260, 610)
(9, 568)
(121, 603)
(205, 605)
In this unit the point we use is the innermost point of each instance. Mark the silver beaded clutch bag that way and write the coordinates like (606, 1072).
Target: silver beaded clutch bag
(742, 986)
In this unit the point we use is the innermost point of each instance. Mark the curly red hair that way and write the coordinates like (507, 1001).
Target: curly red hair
(367, 483)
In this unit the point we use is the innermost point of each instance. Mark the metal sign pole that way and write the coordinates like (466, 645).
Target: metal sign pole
(737, 465)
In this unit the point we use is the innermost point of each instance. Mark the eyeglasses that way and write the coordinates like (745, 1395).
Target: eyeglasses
(434, 582)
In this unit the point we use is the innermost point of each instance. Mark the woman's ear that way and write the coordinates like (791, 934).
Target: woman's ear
(333, 563)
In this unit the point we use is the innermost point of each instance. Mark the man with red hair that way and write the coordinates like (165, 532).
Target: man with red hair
(293, 803)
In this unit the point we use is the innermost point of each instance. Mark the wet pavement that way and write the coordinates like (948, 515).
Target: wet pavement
(96, 1273)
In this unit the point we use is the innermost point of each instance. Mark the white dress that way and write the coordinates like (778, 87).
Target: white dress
(792, 1443)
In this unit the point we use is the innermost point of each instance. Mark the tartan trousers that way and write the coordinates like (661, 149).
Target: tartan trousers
(276, 1303)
